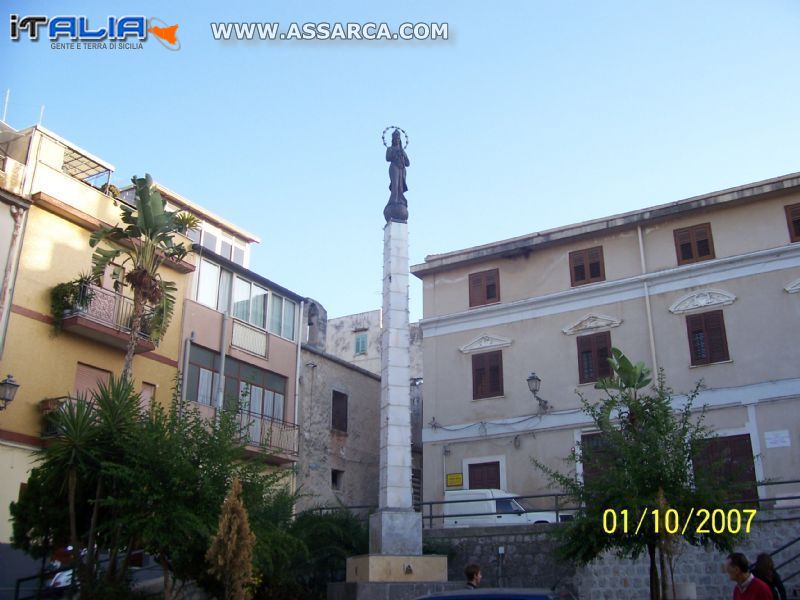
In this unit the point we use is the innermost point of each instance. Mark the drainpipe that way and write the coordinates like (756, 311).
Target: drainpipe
(19, 215)
(297, 365)
(187, 350)
(647, 301)
(226, 320)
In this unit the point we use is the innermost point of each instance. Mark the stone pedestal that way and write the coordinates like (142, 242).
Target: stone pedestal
(395, 532)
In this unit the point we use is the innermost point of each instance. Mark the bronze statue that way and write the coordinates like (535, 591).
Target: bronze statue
(397, 208)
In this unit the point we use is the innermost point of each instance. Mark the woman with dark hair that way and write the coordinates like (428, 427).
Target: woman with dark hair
(764, 569)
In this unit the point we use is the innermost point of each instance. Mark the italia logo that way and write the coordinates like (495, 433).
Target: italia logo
(71, 28)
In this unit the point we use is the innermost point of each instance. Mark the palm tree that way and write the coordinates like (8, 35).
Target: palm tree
(147, 241)
(72, 453)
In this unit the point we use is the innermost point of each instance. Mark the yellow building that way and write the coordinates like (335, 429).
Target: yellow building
(62, 182)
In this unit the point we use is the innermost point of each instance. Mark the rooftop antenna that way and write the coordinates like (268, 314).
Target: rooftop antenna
(5, 105)
(41, 114)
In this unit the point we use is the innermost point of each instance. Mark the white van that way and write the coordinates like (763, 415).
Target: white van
(499, 507)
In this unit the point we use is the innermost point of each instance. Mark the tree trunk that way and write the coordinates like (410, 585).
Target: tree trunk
(165, 570)
(72, 484)
(654, 586)
(127, 561)
(663, 568)
(136, 324)
(91, 555)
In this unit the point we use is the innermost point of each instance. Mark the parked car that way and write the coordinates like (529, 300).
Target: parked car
(493, 594)
(485, 507)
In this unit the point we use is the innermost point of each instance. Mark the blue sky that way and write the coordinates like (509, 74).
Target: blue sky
(532, 115)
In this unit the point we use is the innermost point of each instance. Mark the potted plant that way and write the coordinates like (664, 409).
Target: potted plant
(70, 296)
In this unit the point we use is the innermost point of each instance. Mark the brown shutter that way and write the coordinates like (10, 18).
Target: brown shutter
(596, 267)
(484, 476)
(479, 376)
(494, 363)
(603, 352)
(793, 220)
(577, 267)
(476, 289)
(86, 378)
(683, 246)
(730, 461)
(715, 336)
(695, 323)
(702, 242)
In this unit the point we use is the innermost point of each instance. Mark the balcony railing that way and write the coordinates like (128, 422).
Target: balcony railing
(270, 434)
(110, 308)
(48, 407)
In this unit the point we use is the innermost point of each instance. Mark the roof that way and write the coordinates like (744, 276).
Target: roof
(526, 243)
(205, 214)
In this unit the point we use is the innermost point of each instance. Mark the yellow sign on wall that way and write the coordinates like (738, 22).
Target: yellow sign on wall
(455, 479)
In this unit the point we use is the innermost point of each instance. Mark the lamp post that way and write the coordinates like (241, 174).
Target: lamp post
(8, 389)
(534, 383)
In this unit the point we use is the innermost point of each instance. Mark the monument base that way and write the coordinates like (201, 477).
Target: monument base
(397, 532)
(384, 568)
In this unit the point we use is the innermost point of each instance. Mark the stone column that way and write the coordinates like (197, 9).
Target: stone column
(396, 528)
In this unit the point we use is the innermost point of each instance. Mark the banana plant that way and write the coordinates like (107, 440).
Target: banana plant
(144, 240)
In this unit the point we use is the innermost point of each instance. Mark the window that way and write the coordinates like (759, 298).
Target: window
(339, 411)
(203, 375)
(209, 241)
(194, 235)
(337, 479)
(729, 460)
(793, 220)
(693, 244)
(593, 353)
(208, 283)
(263, 393)
(484, 287)
(250, 303)
(586, 266)
(223, 298)
(147, 395)
(487, 375)
(88, 379)
(238, 253)
(108, 276)
(707, 341)
(226, 246)
(282, 317)
(484, 476)
(595, 456)
(361, 343)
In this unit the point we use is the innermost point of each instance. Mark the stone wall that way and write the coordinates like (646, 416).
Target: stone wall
(355, 452)
(528, 560)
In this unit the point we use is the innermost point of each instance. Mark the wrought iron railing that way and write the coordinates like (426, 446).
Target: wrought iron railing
(269, 433)
(109, 308)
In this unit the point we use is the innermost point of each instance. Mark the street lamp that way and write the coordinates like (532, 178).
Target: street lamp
(8, 389)
(534, 383)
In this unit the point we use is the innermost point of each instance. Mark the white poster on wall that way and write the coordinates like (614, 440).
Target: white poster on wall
(777, 439)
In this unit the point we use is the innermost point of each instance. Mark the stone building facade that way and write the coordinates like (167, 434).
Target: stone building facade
(704, 288)
(339, 410)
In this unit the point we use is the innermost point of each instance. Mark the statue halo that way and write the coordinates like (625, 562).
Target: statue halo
(394, 127)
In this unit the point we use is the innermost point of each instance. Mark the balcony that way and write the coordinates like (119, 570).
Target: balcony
(275, 437)
(106, 318)
(47, 407)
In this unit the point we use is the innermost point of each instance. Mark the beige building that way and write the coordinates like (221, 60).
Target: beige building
(240, 324)
(705, 288)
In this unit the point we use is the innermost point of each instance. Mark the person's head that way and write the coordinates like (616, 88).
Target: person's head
(764, 568)
(473, 573)
(737, 566)
(396, 137)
